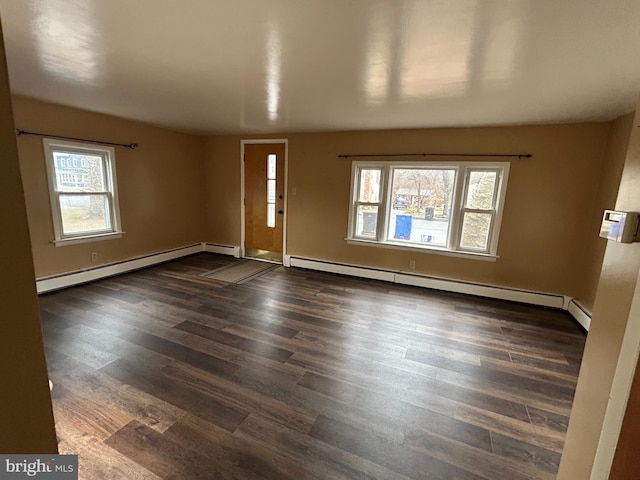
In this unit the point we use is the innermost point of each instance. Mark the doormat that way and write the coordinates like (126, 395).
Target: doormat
(241, 272)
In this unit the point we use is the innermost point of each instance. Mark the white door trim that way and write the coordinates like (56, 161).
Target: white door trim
(286, 189)
(620, 391)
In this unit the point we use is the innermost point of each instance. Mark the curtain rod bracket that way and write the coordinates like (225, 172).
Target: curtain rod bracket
(131, 146)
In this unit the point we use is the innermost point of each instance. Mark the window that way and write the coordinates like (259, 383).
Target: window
(446, 207)
(271, 190)
(82, 187)
(368, 202)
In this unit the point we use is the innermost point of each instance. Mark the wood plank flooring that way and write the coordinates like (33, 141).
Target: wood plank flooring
(162, 373)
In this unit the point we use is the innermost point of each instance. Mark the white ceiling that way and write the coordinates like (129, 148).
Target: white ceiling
(254, 66)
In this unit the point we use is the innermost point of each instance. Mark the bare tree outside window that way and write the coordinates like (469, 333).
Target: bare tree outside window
(96, 183)
(478, 209)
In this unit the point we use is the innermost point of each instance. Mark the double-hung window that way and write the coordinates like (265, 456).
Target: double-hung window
(446, 207)
(82, 188)
(368, 201)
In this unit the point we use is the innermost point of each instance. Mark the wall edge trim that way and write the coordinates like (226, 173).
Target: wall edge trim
(579, 313)
(221, 249)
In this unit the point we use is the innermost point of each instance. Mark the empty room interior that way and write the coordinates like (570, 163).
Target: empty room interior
(321, 239)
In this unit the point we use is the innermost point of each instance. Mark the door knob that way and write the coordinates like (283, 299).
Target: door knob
(280, 212)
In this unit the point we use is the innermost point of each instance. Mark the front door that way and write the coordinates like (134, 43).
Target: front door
(264, 200)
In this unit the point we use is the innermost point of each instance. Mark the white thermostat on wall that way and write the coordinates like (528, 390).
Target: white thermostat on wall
(620, 226)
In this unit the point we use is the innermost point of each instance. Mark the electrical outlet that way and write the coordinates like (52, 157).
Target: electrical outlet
(294, 191)
(412, 264)
(94, 257)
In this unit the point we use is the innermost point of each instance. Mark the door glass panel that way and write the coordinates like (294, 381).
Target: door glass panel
(271, 215)
(271, 166)
(271, 189)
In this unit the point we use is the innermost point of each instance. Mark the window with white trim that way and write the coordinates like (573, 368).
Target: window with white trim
(82, 188)
(447, 207)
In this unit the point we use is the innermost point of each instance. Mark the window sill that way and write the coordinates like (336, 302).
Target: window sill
(87, 238)
(433, 250)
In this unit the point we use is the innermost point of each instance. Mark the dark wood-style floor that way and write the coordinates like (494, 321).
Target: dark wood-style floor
(300, 375)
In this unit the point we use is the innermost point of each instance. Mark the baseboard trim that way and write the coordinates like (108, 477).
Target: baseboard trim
(481, 290)
(69, 279)
(342, 269)
(577, 311)
(581, 314)
(448, 285)
(221, 249)
(56, 282)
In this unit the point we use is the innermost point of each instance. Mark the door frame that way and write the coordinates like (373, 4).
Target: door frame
(285, 257)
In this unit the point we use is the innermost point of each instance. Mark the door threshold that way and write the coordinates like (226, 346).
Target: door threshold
(263, 255)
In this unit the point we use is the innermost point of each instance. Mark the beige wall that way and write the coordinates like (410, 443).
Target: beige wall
(26, 418)
(614, 158)
(547, 223)
(160, 186)
(553, 200)
(222, 177)
(616, 288)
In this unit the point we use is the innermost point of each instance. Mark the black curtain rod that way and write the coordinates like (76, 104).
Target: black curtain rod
(362, 155)
(132, 146)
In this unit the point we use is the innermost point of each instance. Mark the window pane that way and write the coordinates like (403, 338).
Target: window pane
(369, 188)
(271, 191)
(481, 189)
(271, 166)
(271, 215)
(421, 205)
(475, 230)
(84, 213)
(366, 221)
(79, 172)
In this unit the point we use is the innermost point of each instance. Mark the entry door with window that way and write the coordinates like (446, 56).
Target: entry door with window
(264, 200)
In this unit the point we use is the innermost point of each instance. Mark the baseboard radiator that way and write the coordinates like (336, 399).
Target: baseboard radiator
(69, 279)
(582, 316)
(490, 291)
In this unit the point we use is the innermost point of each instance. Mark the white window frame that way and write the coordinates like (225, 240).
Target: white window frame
(463, 171)
(355, 186)
(110, 193)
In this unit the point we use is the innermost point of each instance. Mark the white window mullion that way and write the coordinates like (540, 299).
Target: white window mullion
(385, 210)
(57, 214)
(499, 207)
(459, 192)
(355, 181)
(478, 210)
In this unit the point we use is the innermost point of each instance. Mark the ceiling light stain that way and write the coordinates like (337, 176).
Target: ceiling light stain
(273, 71)
(68, 40)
